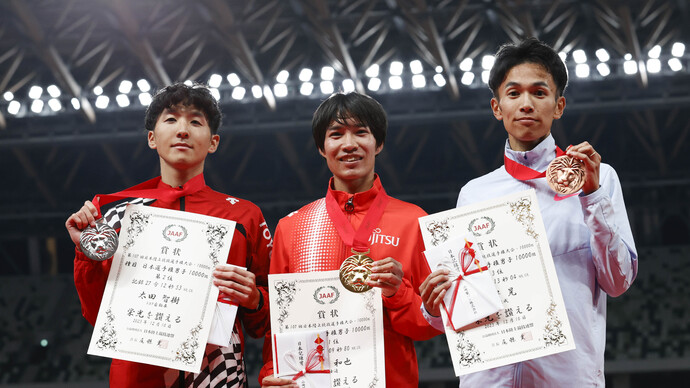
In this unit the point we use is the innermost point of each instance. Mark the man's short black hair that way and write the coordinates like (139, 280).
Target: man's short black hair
(197, 95)
(530, 50)
(339, 107)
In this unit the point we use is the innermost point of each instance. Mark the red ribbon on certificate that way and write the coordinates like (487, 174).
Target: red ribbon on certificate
(524, 173)
(467, 258)
(225, 300)
(150, 189)
(314, 359)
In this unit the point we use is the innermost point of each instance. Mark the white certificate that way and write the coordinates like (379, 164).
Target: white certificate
(305, 302)
(511, 235)
(159, 299)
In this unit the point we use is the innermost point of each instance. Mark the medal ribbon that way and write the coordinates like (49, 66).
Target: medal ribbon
(358, 240)
(524, 173)
(150, 189)
(466, 271)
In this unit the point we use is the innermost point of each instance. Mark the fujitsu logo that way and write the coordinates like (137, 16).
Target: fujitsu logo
(378, 238)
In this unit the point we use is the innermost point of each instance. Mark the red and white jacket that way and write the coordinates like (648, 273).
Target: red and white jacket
(307, 241)
(251, 248)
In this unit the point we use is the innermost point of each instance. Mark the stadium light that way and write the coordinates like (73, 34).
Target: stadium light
(215, 80)
(374, 84)
(122, 100)
(467, 78)
(54, 91)
(14, 107)
(395, 82)
(144, 85)
(678, 49)
(102, 102)
(396, 68)
(144, 98)
(327, 74)
(466, 64)
(603, 55)
(348, 85)
(440, 80)
(306, 88)
(35, 92)
(418, 81)
(603, 69)
(233, 79)
(238, 93)
(280, 90)
(256, 91)
(125, 87)
(305, 75)
(416, 67)
(282, 76)
(54, 104)
(326, 86)
(372, 71)
(37, 106)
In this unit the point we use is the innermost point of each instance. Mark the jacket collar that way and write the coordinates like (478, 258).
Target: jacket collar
(538, 158)
(361, 201)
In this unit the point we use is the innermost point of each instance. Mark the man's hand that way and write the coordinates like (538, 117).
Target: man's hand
(591, 160)
(387, 275)
(433, 289)
(80, 220)
(237, 284)
(270, 381)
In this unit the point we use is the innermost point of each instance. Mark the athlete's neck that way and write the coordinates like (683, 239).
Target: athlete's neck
(178, 177)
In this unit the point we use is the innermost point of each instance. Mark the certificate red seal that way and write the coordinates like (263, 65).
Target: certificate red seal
(355, 271)
(565, 175)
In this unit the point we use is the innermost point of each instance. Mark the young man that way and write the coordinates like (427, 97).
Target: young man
(589, 234)
(182, 123)
(349, 131)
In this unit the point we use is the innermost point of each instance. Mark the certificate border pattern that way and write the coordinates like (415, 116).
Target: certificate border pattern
(286, 291)
(108, 338)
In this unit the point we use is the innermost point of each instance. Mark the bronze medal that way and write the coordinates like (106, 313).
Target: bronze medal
(100, 242)
(565, 175)
(355, 271)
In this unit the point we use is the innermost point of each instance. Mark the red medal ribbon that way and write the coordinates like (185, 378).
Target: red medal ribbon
(524, 173)
(358, 240)
(150, 189)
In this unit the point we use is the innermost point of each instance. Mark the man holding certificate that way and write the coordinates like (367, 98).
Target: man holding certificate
(588, 234)
(372, 238)
(182, 123)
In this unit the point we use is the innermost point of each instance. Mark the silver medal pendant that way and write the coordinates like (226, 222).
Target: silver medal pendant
(99, 242)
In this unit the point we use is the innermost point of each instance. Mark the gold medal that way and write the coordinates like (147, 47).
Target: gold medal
(355, 271)
(565, 175)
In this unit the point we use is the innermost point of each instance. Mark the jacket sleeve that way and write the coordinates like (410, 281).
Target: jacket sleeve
(403, 307)
(259, 245)
(613, 249)
(90, 277)
(279, 264)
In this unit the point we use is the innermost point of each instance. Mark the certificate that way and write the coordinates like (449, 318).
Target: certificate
(510, 233)
(313, 301)
(159, 299)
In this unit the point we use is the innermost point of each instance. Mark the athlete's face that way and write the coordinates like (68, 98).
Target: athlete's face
(182, 139)
(527, 104)
(350, 151)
